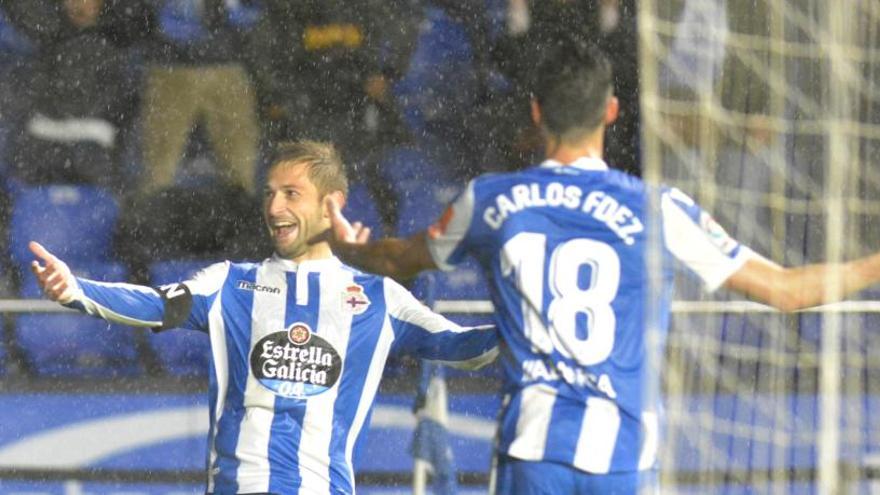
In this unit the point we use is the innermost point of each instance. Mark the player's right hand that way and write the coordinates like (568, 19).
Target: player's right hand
(53, 275)
(341, 231)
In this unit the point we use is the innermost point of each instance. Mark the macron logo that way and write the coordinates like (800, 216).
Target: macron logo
(245, 285)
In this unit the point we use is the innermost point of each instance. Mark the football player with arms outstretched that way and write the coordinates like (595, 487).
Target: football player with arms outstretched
(298, 341)
(565, 246)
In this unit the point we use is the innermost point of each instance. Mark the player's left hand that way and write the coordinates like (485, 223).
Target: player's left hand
(341, 230)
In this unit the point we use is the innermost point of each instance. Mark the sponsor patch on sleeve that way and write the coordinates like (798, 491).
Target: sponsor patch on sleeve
(716, 234)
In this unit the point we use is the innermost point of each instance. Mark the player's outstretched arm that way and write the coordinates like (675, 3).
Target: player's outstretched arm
(790, 289)
(400, 259)
(120, 303)
(422, 333)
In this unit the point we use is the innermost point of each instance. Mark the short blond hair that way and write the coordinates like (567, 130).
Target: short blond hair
(326, 169)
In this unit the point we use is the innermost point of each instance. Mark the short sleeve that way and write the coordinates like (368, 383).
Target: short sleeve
(447, 236)
(698, 241)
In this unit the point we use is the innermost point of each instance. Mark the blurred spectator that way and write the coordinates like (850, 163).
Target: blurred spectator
(195, 73)
(207, 223)
(446, 87)
(76, 95)
(325, 70)
(532, 25)
(474, 18)
(17, 50)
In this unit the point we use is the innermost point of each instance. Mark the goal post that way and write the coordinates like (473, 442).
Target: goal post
(766, 112)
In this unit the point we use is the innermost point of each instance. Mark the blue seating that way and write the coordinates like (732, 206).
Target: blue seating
(3, 354)
(439, 84)
(465, 283)
(423, 204)
(361, 206)
(77, 345)
(405, 166)
(74, 222)
(423, 188)
(180, 352)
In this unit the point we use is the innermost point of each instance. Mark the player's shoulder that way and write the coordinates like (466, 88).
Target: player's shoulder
(539, 173)
(487, 180)
(241, 266)
(674, 195)
(393, 291)
(209, 278)
(625, 180)
(214, 269)
(491, 181)
(363, 278)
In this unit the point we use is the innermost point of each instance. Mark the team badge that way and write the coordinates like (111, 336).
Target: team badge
(299, 334)
(354, 300)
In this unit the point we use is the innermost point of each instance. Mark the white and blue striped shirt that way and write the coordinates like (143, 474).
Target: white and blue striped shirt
(298, 353)
(565, 248)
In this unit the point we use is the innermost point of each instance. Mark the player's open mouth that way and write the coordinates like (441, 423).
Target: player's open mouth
(284, 230)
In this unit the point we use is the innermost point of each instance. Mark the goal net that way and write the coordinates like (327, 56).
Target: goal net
(767, 112)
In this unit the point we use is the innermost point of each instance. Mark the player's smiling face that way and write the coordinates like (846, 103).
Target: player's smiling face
(292, 207)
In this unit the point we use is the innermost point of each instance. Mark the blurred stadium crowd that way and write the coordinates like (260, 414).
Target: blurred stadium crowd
(133, 133)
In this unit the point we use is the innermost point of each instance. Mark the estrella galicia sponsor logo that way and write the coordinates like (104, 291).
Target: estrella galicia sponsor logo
(295, 363)
(255, 287)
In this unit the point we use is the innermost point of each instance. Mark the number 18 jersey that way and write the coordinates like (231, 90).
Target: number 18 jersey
(565, 250)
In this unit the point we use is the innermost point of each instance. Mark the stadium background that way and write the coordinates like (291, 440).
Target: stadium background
(763, 110)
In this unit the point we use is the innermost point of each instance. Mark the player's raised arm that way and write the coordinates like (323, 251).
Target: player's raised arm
(422, 333)
(703, 246)
(790, 289)
(400, 259)
(129, 304)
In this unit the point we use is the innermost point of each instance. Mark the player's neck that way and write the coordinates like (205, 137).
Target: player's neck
(318, 251)
(566, 152)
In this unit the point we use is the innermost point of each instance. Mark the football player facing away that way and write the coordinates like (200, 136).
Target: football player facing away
(564, 245)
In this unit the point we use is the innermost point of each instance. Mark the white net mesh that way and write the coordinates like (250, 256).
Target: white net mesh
(765, 111)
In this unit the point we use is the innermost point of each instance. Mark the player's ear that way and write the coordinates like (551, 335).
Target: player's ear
(612, 109)
(536, 112)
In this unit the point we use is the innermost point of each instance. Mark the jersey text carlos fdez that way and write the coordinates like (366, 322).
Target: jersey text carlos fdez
(564, 247)
(298, 350)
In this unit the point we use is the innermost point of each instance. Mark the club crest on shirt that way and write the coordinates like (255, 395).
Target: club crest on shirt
(295, 363)
(299, 334)
(716, 233)
(354, 300)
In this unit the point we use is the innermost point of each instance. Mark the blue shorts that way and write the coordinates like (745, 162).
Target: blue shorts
(516, 477)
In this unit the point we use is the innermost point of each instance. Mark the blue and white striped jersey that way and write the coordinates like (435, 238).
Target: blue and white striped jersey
(298, 352)
(565, 250)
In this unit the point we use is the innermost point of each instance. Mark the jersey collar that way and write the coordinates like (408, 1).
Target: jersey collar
(307, 265)
(582, 163)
